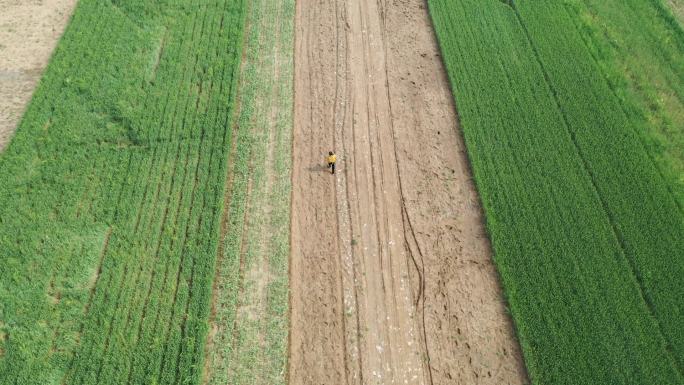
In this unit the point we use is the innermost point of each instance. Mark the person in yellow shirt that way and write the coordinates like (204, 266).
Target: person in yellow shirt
(332, 158)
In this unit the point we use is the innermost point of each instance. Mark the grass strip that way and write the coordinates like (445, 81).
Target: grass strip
(250, 344)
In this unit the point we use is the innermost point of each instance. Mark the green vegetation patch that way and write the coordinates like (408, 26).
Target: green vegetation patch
(111, 194)
(639, 47)
(586, 229)
(251, 289)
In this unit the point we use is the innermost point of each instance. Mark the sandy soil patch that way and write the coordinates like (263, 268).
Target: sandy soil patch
(29, 31)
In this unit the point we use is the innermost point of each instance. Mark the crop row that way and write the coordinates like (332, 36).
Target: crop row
(586, 232)
(125, 149)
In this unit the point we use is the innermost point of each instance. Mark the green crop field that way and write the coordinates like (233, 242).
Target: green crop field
(145, 198)
(112, 194)
(643, 62)
(582, 205)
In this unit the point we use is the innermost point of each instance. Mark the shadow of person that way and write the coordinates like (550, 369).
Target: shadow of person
(317, 168)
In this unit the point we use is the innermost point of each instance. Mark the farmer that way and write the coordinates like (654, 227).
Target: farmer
(332, 158)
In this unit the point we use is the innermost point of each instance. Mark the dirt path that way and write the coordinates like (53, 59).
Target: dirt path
(391, 273)
(29, 31)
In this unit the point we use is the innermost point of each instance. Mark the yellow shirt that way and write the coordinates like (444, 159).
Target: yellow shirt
(332, 158)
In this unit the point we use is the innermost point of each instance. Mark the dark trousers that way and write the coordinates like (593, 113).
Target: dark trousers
(332, 167)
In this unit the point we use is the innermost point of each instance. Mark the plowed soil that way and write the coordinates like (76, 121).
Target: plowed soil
(29, 31)
(391, 275)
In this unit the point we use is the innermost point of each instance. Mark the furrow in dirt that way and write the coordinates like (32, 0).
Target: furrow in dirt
(391, 272)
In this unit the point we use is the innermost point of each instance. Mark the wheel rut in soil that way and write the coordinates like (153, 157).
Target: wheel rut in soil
(391, 274)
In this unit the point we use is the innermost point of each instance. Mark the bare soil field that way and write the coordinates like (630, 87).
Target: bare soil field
(678, 8)
(29, 31)
(391, 275)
